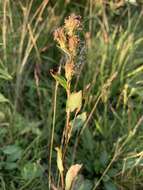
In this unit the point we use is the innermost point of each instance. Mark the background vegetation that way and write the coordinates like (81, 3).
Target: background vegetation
(109, 69)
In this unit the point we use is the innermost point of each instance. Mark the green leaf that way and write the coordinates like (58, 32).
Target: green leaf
(4, 75)
(88, 141)
(82, 184)
(11, 149)
(78, 122)
(110, 186)
(2, 116)
(2, 163)
(98, 127)
(15, 156)
(31, 127)
(3, 99)
(13, 152)
(86, 185)
(3, 131)
(104, 158)
(74, 101)
(10, 165)
(112, 172)
(106, 178)
(31, 171)
(62, 81)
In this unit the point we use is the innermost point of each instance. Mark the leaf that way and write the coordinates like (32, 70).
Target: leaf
(71, 175)
(15, 156)
(88, 141)
(31, 127)
(112, 172)
(31, 171)
(106, 178)
(98, 127)
(13, 152)
(59, 160)
(3, 131)
(2, 116)
(62, 81)
(3, 99)
(11, 149)
(4, 75)
(74, 101)
(10, 165)
(82, 184)
(2, 163)
(78, 122)
(104, 157)
(86, 185)
(110, 186)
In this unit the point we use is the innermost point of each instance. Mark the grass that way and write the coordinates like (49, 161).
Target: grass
(107, 135)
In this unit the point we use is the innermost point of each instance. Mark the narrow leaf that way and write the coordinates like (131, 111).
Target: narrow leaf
(59, 160)
(3, 99)
(5, 75)
(62, 81)
(98, 127)
(71, 175)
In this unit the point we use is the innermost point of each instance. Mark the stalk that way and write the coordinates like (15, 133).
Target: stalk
(68, 41)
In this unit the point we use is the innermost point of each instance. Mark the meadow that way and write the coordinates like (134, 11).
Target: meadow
(71, 95)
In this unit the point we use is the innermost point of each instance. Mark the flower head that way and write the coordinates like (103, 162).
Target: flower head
(60, 37)
(72, 23)
(68, 41)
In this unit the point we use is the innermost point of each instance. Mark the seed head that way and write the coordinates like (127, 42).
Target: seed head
(60, 37)
(73, 42)
(72, 23)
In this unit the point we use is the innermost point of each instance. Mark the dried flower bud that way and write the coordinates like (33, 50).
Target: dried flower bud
(73, 42)
(72, 23)
(60, 37)
(69, 70)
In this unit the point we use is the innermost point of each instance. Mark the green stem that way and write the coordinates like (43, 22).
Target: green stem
(53, 130)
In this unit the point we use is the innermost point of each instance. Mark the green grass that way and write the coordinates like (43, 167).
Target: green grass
(108, 143)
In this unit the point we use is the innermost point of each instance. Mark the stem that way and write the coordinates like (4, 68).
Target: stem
(62, 180)
(104, 173)
(84, 126)
(53, 130)
(67, 127)
(68, 136)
